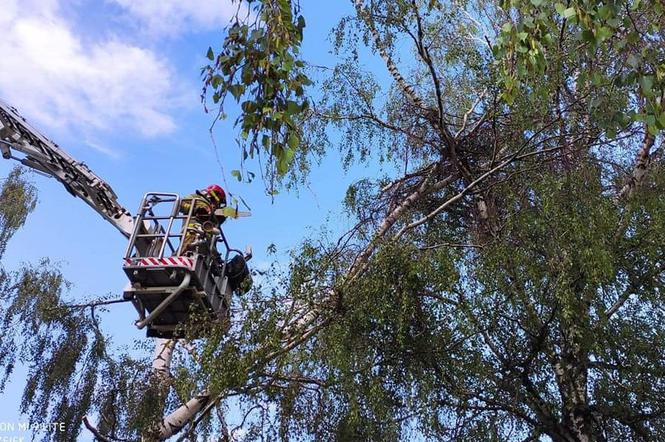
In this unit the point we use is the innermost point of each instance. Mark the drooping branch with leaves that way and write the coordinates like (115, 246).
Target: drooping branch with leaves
(259, 66)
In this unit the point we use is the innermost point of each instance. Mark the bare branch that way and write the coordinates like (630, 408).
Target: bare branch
(408, 90)
(423, 51)
(469, 112)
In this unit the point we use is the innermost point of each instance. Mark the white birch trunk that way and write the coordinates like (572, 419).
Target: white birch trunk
(174, 422)
(641, 163)
(161, 360)
(161, 372)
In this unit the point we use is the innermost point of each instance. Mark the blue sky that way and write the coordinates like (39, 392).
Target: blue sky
(116, 84)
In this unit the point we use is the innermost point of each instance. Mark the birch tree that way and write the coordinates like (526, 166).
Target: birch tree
(503, 278)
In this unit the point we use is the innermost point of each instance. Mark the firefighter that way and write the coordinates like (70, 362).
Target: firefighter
(203, 221)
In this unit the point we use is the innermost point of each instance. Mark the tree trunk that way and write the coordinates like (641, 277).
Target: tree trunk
(572, 378)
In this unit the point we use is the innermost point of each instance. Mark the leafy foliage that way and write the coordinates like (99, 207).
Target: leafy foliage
(259, 65)
(70, 370)
(504, 280)
(614, 45)
(18, 200)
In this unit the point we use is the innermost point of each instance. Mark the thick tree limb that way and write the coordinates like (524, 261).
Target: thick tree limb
(161, 372)
(423, 51)
(361, 261)
(641, 163)
(174, 422)
(617, 305)
(161, 360)
(408, 90)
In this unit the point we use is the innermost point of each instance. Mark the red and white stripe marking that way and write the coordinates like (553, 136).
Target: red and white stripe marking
(171, 261)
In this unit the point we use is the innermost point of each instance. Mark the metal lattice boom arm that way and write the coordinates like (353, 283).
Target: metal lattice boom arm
(45, 156)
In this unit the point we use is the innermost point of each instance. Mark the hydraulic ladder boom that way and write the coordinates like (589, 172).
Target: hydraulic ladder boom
(167, 280)
(44, 155)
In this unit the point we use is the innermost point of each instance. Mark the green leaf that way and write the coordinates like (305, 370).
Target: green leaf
(661, 119)
(288, 155)
(646, 83)
(294, 141)
(570, 12)
(284, 160)
(216, 80)
(633, 37)
(237, 90)
(603, 33)
(508, 98)
(560, 7)
(597, 79)
(256, 35)
(292, 107)
(210, 54)
(588, 36)
(537, 3)
(614, 22)
(282, 166)
(605, 12)
(236, 173)
(633, 60)
(653, 130)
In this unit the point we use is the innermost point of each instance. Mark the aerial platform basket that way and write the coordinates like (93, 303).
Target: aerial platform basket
(168, 284)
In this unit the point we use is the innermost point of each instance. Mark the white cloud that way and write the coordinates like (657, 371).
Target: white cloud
(64, 80)
(101, 148)
(169, 17)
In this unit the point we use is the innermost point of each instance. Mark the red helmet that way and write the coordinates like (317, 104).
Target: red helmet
(217, 193)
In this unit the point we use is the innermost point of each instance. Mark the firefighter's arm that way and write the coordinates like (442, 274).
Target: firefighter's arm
(186, 204)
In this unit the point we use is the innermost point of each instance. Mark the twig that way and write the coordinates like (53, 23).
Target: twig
(95, 304)
(450, 244)
(467, 113)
